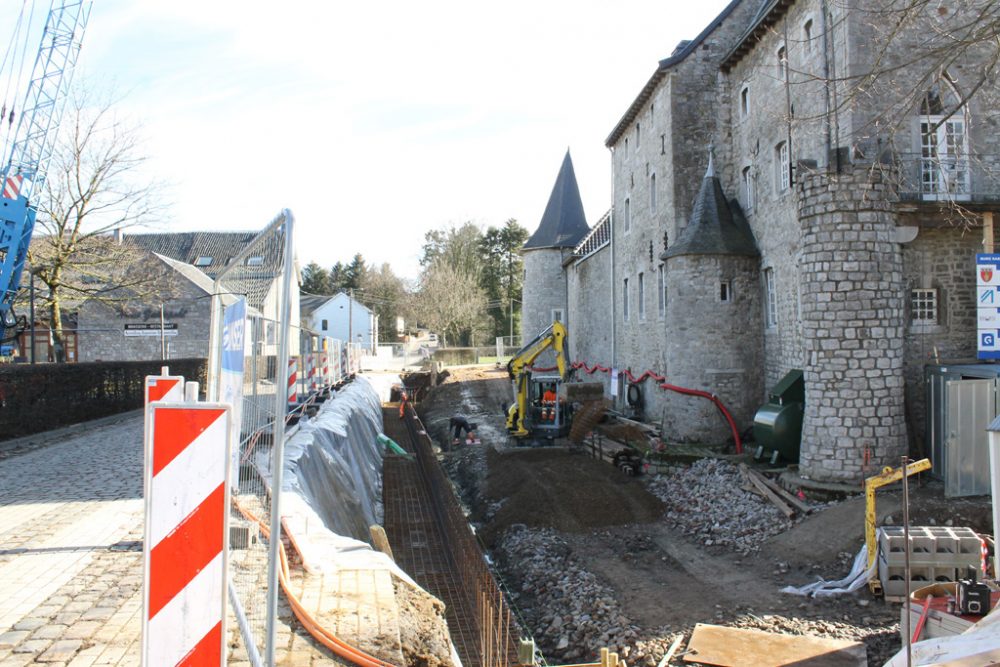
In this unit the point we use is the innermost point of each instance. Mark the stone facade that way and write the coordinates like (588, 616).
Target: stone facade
(543, 268)
(851, 220)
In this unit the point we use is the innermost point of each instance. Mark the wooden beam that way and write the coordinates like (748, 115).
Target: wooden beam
(787, 510)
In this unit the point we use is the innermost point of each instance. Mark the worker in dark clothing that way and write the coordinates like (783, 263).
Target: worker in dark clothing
(460, 424)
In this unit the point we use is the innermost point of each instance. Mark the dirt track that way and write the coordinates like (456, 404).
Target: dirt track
(662, 582)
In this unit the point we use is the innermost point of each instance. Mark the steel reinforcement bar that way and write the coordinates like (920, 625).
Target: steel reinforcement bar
(499, 633)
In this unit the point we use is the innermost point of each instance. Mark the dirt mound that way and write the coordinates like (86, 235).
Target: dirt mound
(571, 492)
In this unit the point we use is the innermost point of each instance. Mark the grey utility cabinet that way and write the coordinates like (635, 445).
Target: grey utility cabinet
(962, 400)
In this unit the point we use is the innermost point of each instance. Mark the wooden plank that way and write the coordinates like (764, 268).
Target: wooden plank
(785, 494)
(734, 647)
(670, 652)
(768, 493)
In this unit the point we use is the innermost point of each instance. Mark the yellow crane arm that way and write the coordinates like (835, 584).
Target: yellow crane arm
(887, 476)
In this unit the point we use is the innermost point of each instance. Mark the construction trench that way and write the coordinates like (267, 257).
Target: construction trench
(558, 546)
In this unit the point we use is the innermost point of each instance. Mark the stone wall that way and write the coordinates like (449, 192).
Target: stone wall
(590, 325)
(713, 346)
(101, 328)
(544, 290)
(943, 259)
(852, 313)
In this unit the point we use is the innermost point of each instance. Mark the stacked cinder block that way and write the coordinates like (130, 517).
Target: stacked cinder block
(936, 554)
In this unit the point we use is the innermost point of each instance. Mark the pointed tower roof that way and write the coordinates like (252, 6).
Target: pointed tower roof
(717, 226)
(563, 224)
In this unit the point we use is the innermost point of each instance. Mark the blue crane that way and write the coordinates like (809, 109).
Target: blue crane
(24, 172)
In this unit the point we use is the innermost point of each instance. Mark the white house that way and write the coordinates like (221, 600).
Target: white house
(340, 317)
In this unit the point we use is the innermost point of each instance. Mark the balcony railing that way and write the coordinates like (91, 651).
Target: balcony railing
(949, 178)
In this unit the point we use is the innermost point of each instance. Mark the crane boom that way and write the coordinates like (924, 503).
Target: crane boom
(24, 172)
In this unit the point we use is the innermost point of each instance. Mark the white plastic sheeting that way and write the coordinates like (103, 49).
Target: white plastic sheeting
(334, 461)
(859, 575)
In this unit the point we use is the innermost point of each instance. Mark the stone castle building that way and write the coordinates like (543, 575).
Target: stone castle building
(765, 217)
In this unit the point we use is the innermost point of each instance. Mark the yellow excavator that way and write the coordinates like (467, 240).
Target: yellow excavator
(540, 410)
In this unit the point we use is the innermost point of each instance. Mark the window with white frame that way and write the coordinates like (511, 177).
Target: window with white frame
(944, 158)
(557, 315)
(783, 175)
(625, 300)
(652, 193)
(745, 102)
(770, 303)
(923, 306)
(642, 296)
(628, 214)
(748, 188)
(661, 291)
(782, 62)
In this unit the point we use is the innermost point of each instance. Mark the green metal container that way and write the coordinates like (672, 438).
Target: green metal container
(777, 426)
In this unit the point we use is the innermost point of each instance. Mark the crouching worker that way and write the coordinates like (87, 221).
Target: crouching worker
(460, 424)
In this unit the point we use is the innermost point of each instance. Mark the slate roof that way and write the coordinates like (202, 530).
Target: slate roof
(187, 247)
(717, 226)
(767, 15)
(196, 276)
(563, 224)
(308, 303)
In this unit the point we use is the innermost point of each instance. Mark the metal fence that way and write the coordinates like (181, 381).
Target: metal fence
(272, 370)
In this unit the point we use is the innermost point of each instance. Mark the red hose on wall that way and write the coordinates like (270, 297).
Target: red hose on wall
(671, 387)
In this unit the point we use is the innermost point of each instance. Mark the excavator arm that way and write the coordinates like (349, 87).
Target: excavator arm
(554, 337)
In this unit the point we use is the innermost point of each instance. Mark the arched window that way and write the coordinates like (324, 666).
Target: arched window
(944, 143)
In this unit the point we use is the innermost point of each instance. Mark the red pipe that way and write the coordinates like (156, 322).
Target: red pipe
(670, 387)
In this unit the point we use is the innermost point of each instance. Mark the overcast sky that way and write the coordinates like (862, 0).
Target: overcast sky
(375, 121)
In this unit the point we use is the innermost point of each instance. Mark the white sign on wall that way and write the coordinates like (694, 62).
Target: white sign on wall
(988, 306)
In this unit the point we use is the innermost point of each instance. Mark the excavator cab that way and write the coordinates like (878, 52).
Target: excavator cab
(540, 411)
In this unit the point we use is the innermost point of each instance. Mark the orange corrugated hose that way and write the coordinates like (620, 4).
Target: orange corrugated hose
(312, 626)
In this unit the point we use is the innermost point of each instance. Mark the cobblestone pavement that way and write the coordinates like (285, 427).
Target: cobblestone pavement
(71, 517)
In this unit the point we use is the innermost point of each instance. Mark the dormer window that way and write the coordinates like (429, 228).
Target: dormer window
(203, 260)
(255, 260)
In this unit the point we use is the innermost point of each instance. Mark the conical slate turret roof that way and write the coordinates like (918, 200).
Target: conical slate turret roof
(717, 227)
(563, 224)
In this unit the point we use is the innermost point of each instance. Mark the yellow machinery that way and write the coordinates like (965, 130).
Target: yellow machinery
(532, 414)
(887, 476)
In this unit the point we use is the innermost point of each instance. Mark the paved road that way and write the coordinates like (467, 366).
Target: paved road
(70, 554)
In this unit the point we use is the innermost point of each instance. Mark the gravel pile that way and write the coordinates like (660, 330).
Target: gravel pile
(569, 612)
(705, 502)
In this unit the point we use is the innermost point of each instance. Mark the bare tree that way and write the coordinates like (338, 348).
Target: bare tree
(93, 189)
(452, 303)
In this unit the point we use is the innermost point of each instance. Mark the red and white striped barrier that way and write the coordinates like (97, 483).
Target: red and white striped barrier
(12, 186)
(313, 362)
(293, 382)
(166, 388)
(186, 535)
(324, 365)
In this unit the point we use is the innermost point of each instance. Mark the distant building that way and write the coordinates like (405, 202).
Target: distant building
(340, 317)
(44, 342)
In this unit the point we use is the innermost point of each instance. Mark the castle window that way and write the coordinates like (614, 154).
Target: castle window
(745, 102)
(661, 291)
(652, 193)
(725, 291)
(663, 144)
(642, 298)
(557, 315)
(625, 300)
(637, 137)
(748, 188)
(782, 63)
(770, 305)
(923, 306)
(783, 167)
(628, 214)
(807, 33)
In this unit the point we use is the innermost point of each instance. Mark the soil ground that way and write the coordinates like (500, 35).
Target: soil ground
(663, 581)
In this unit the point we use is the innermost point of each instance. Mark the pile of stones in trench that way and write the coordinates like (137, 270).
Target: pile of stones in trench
(705, 502)
(567, 609)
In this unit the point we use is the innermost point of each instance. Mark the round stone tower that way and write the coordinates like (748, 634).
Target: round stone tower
(852, 325)
(563, 225)
(713, 319)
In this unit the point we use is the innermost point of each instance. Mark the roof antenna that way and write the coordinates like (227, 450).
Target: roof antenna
(710, 172)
